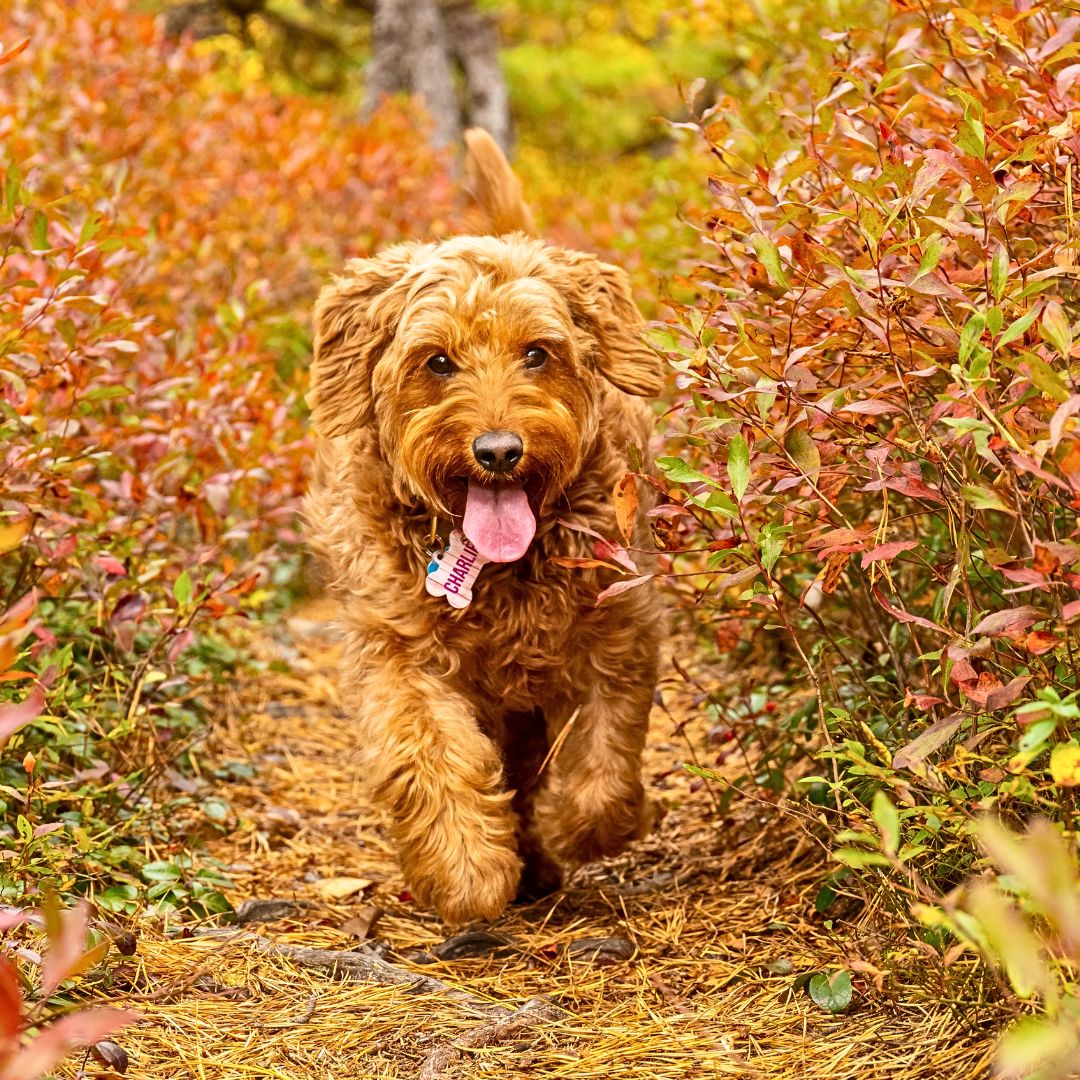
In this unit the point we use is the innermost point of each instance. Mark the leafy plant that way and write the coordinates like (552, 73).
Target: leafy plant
(37, 1034)
(165, 221)
(874, 449)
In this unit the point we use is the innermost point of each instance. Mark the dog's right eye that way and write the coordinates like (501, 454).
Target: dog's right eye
(441, 364)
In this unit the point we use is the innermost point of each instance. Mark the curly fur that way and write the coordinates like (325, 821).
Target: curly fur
(456, 710)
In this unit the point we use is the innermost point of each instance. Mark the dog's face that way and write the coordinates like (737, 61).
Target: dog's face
(478, 364)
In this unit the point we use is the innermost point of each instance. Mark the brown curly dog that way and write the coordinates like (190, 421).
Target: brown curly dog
(468, 397)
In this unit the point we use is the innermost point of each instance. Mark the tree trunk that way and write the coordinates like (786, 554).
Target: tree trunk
(415, 47)
(475, 43)
(409, 53)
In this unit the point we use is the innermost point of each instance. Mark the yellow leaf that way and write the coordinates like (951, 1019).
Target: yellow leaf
(11, 536)
(339, 888)
(1065, 764)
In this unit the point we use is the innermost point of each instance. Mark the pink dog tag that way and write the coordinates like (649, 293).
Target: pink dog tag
(453, 573)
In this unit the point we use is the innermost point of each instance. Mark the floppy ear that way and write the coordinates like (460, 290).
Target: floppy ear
(601, 303)
(355, 318)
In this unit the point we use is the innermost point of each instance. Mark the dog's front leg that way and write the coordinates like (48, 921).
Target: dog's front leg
(439, 779)
(596, 805)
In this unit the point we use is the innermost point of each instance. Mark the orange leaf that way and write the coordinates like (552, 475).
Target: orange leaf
(625, 495)
(12, 53)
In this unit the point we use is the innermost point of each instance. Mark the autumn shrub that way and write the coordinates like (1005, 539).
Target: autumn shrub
(166, 222)
(874, 460)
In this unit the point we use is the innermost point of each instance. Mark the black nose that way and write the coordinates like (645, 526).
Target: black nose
(497, 451)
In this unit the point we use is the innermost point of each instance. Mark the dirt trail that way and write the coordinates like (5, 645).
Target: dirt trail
(720, 915)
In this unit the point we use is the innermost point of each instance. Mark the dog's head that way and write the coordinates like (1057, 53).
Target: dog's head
(478, 363)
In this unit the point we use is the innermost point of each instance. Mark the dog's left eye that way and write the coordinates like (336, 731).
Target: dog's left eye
(535, 357)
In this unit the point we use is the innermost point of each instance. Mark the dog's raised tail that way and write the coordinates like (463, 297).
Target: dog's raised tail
(494, 187)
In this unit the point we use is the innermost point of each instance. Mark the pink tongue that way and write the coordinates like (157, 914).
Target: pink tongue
(499, 520)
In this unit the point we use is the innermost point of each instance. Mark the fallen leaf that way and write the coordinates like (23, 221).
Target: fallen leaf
(831, 992)
(361, 925)
(340, 888)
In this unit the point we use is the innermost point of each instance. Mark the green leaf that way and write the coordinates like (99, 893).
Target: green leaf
(1018, 328)
(118, 898)
(803, 451)
(931, 255)
(678, 472)
(984, 498)
(970, 335)
(887, 819)
(971, 137)
(999, 271)
(39, 232)
(831, 992)
(720, 503)
(738, 465)
(773, 540)
(182, 589)
(1055, 328)
(770, 258)
(859, 858)
(216, 809)
(1036, 735)
(12, 185)
(826, 895)
(1045, 378)
(161, 871)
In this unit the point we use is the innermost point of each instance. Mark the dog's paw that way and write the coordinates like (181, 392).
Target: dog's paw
(650, 814)
(467, 884)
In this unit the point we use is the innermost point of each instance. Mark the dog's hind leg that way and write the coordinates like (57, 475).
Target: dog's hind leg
(440, 780)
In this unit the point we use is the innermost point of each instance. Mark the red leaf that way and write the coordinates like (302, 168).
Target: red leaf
(57, 1039)
(622, 586)
(608, 549)
(914, 488)
(887, 552)
(13, 717)
(1006, 695)
(110, 565)
(66, 948)
(1071, 610)
(924, 744)
(904, 616)
(1040, 642)
(1002, 622)
(10, 1005)
(872, 407)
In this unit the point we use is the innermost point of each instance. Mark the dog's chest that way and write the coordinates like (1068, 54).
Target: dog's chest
(519, 635)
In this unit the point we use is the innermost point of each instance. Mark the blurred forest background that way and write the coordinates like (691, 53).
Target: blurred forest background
(852, 224)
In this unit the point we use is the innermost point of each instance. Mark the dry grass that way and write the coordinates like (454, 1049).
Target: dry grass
(721, 914)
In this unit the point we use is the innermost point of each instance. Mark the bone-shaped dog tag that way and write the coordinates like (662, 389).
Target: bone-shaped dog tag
(453, 573)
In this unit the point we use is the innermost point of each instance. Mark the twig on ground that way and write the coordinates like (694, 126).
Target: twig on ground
(364, 965)
(534, 1011)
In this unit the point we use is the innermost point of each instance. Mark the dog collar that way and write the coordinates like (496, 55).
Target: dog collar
(453, 571)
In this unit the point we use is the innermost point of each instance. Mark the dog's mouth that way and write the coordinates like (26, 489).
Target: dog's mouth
(498, 519)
